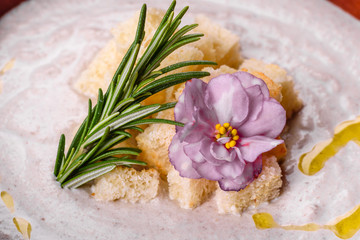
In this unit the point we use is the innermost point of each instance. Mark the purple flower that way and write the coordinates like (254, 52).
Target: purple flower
(229, 123)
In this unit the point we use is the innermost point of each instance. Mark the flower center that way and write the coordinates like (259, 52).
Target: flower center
(226, 131)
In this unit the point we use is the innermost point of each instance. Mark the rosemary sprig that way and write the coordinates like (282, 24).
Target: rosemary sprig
(91, 152)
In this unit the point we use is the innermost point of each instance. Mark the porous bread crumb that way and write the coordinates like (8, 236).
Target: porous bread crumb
(217, 72)
(154, 143)
(188, 53)
(213, 73)
(127, 184)
(264, 188)
(189, 193)
(290, 100)
(102, 68)
(124, 32)
(218, 43)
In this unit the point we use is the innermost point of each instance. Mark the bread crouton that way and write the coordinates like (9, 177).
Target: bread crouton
(264, 188)
(154, 143)
(218, 44)
(290, 100)
(189, 193)
(102, 68)
(127, 184)
(213, 73)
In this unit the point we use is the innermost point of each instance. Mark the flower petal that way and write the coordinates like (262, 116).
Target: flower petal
(252, 147)
(206, 152)
(180, 160)
(255, 104)
(202, 126)
(270, 121)
(232, 170)
(249, 80)
(219, 151)
(223, 140)
(193, 95)
(207, 170)
(192, 150)
(227, 98)
(250, 172)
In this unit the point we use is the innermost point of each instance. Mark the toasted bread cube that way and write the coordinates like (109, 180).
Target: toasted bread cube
(100, 71)
(154, 143)
(290, 100)
(189, 193)
(213, 73)
(264, 188)
(102, 68)
(127, 184)
(185, 53)
(218, 44)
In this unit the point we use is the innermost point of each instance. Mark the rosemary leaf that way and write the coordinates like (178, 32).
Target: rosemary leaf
(117, 151)
(110, 161)
(152, 121)
(60, 155)
(168, 81)
(98, 109)
(85, 177)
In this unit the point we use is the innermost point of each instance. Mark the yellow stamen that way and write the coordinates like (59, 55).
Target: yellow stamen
(226, 130)
(232, 143)
(222, 130)
(234, 132)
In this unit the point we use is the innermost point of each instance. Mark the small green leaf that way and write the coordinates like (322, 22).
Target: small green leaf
(152, 121)
(60, 155)
(117, 151)
(87, 176)
(185, 64)
(112, 142)
(110, 161)
(98, 109)
(136, 128)
(170, 80)
(123, 103)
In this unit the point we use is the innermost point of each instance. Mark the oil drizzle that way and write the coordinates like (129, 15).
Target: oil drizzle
(8, 201)
(313, 161)
(344, 226)
(9, 65)
(23, 226)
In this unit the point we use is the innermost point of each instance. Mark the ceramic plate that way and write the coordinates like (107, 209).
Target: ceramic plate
(51, 43)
